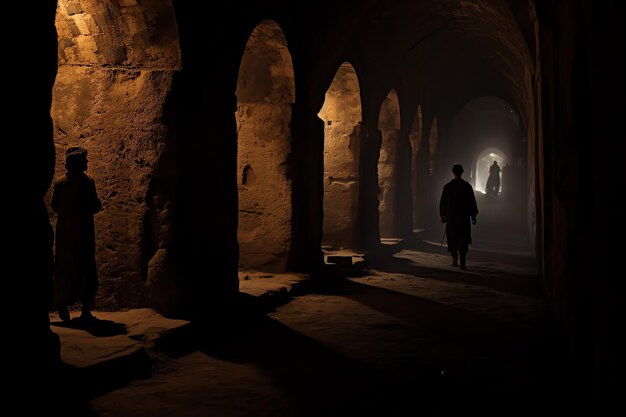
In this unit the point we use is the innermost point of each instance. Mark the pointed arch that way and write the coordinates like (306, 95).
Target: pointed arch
(265, 94)
(389, 124)
(266, 71)
(483, 163)
(342, 115)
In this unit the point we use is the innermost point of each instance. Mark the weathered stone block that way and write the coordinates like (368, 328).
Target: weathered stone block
(72, 7)
(63, 30)
(73, 27)
(88, 48)
(81, 23)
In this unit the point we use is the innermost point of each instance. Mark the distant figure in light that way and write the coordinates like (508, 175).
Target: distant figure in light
(493, 182)
(75, 200)
(456, 208)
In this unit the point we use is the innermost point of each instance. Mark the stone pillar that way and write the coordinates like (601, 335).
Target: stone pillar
(423, 176)
(403, 204)
(204, 210)
(388, 182)
(29, 254)
(306, 169)
(341, 185)
(442, 165)
(369, 234)
(415, 139)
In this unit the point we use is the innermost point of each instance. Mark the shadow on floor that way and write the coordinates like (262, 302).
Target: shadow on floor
(72, 388)
(486, 248)
(94, 326)
(387, 258)
(457, 361)
(317, 380)
(469, 358)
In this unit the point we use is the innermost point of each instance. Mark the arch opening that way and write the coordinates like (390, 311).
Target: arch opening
(389, 126)
(483, 165)
(265, 94)
(485, 130)
(343, 132)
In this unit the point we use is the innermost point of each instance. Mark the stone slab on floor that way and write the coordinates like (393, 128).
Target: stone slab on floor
(262, 284)
(329, 253)
(119, 347)
(112, 336)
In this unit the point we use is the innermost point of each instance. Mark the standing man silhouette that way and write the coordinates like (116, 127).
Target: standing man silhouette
(493, 182)
(75, 200)
(456, 208)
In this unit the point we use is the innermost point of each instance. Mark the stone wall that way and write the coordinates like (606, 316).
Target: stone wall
(264, 231)
(342, 136)
(580, 153)
(116, 60)
(265, 91)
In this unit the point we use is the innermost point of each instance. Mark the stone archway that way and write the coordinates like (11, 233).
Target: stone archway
(483, 162)
(343, 133)
(265, 94)
(389, 126)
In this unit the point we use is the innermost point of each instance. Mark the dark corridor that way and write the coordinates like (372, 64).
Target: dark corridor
(235, 146)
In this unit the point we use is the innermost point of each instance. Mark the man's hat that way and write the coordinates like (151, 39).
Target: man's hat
(75, 152)
(457, 168)
(75, 158)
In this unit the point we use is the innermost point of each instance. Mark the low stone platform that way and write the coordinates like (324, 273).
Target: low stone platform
(116, 348)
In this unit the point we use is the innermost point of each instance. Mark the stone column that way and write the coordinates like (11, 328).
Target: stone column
(423, 175)
(29, 256)
(403, 196)
(415, 141)
(369, 234)
(306, 169)
(204, 210)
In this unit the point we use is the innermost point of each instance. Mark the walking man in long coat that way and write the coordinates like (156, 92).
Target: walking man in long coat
(75, 200)
(493, 182)
(457, 208)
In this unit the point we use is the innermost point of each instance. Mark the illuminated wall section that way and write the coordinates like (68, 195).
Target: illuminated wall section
(115, 69)
(341, 113)
(389, 125)
(265, 93)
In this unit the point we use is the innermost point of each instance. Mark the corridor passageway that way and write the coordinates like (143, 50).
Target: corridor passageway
(410, 336)
(270, 174)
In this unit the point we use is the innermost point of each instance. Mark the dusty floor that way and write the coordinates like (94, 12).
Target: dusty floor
(410, 335)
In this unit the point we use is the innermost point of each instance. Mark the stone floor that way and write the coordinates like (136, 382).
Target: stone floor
(111, 336)
(400, 332)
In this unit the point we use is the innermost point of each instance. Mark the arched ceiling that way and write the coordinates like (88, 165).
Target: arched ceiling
(451, 51)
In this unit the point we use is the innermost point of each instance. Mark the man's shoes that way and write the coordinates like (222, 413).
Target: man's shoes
(64, 314)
